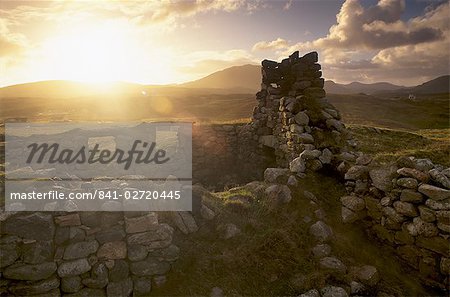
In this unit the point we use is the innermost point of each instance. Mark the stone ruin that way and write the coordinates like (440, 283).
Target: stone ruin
(293, 116)
(294, 130)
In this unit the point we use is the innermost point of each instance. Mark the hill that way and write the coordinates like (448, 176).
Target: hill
(67, 89)
(435, 86)
(241, 79)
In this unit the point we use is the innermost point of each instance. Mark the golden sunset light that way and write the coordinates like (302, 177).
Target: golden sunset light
(224, 148)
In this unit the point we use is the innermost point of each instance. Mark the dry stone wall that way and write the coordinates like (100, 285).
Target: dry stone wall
(406, 205)
(83, 254)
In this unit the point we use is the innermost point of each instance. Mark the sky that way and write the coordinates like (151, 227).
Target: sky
(405, 42)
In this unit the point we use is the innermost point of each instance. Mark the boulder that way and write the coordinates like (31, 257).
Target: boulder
(353, 202)
(405, 208)
(434, 192)
(122, 288)
(73, 268)
(382, 178)
(278, 194)
(276, 175)
(321, 250)
(333, 264)
(37, 226)
(184, 221)
(141, 224)
(407, 182)
(321, 231)
(440, 178)
(30, 272)
(356, 172)
(80, 249)
(368, 275)
(414, 173)
(332, 291)
(112, 250)
(71, 284)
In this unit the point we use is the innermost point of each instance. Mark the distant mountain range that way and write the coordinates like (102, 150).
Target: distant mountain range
(236, 79)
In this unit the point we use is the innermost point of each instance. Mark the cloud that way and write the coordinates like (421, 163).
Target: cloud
(277, 44)
(375, 44)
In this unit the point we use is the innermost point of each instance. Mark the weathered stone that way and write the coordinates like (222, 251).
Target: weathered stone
(68, 220)
(326, 156)
(32, 272)
(305, 138)
(445, 265)
(301, 118)
(73, 268)
(99, 277)
(321, 231)
(427, 214)
(434, 193)
(382, 177)
(423, 164)
(114, 233)
(35, 288)
(436, 244)
(278, 194)
(276, 175)
(184, 221)
(414, 173)
(332, 291)
(207, 213)
(37, 226)
(357, 288)
(149, 266)
(348, 215)
(119, 271)
(80, 249)
(368, 275)
(112, 250)
(142, 286)
(364, 160)
(356, 172)
(405, 208)
(437, 205)
(292, 181)
(424, 228)
(141, 224)
(71, 284)
(216, 292)
(440, 178)
(443, 227)
(443, 216)
(321, 250)
(354, 203)
(158, 238)
(9, 253)
(335, 124)
(393, 215)
(408, 195)
(170, 253)
(297, 165)
(88, 292)
(137, 252)
(407, 182)
(333, 264)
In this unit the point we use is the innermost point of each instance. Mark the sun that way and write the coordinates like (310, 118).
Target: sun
(104, 52)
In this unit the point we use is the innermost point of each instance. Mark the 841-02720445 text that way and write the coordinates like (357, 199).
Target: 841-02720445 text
(98, 194)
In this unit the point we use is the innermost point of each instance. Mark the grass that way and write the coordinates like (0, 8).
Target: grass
(387, 145)
(274, 246)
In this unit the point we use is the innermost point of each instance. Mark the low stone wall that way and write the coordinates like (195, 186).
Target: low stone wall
(83, 254)
(407, 206)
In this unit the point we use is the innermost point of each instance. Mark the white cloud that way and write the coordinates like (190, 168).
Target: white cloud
(277, 44)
